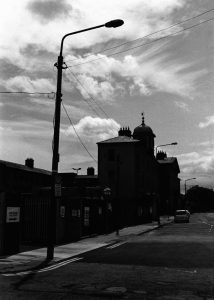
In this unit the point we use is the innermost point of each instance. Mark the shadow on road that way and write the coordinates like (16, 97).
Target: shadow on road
(32, 273)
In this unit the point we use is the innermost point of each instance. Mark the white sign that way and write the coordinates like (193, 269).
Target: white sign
(13, 215)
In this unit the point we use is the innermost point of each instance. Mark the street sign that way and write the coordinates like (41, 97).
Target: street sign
(58, 190)
(13, 215)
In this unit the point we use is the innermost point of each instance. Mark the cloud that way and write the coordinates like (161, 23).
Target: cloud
(147, 73)
(209, 121)
(102, 90)
(25, 84)
(9, 69)
(48, 10)
(208, 143)
(94, 129)
(197, 162)
(24, 27)
(182, 105)
(26, 137)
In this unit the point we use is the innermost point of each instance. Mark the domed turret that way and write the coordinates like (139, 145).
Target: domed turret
(145, 134)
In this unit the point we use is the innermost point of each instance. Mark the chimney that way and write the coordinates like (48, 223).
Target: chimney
(161, 155)
(29, 162)
(90, 171)
(124, 131)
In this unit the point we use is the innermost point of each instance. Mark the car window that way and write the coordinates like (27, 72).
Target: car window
(178, 213)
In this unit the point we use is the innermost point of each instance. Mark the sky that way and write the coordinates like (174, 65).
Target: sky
(111, 76)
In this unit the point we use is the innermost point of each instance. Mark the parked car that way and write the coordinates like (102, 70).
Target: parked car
(182, 215)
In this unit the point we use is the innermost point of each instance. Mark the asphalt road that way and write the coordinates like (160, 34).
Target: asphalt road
(176, 260)
(177, 245)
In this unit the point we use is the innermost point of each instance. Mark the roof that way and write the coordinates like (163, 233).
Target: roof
(143, 129)
(24, 168)
(167, 160)
(86, 177)
(120, 139)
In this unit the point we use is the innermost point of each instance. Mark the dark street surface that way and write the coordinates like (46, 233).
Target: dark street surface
(179, 245)
(173, 262)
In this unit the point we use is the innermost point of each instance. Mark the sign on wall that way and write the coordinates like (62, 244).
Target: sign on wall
(13, 215)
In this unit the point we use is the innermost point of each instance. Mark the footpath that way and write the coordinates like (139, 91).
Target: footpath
(36, 259)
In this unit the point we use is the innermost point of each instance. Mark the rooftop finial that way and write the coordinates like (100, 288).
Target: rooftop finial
(142, 114)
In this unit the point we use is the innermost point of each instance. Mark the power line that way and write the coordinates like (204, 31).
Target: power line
(150, 34)
(153, 33)
(80, 83)
(89, 104)
(80, 140)
(153, 41)
(29, 93)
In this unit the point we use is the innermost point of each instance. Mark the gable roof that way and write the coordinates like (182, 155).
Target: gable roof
(119, 139)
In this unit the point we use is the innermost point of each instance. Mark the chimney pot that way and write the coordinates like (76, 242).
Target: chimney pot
(29, 162)
(90, 171)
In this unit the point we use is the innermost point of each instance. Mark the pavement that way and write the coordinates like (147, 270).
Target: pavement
(36, 258)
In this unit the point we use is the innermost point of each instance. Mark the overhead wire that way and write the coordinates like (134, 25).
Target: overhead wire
(89, 104)
(29, 93)
(184, 29)
(151, 42)
(150, 34)
(90, 96)
(79, 138)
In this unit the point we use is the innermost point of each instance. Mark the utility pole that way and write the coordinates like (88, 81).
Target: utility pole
(55, 159)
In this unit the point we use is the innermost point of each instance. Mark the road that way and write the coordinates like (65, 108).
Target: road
(176, 260)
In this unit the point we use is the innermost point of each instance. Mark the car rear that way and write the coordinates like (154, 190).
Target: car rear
(182, 216)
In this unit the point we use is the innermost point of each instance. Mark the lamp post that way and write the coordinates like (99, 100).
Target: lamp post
(76, 169)
(185, 186)
(55, 158)
(171, 144)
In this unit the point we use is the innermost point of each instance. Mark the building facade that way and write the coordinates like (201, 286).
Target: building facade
(127, 165)
(169, 184)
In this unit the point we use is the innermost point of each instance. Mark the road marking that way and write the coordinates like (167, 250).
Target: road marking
(50, 268)
(116, 245)
(180, 270)
(211, 225)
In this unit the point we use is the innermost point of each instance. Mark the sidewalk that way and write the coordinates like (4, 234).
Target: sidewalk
(36, 259)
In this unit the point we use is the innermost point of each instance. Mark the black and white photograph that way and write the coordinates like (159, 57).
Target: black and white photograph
(107, 149)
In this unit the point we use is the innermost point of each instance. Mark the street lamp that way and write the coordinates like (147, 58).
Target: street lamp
(186, 185)
(55, 160)
(76, 169)
(171, 144)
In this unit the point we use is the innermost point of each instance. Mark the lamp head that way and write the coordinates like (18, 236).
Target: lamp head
(114, 23)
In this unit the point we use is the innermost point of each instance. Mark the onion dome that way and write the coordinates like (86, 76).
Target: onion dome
(142, 131)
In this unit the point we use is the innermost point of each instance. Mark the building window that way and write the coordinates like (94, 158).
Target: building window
(111, 155)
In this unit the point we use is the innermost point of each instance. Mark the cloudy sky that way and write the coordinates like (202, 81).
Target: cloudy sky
(112, 75)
